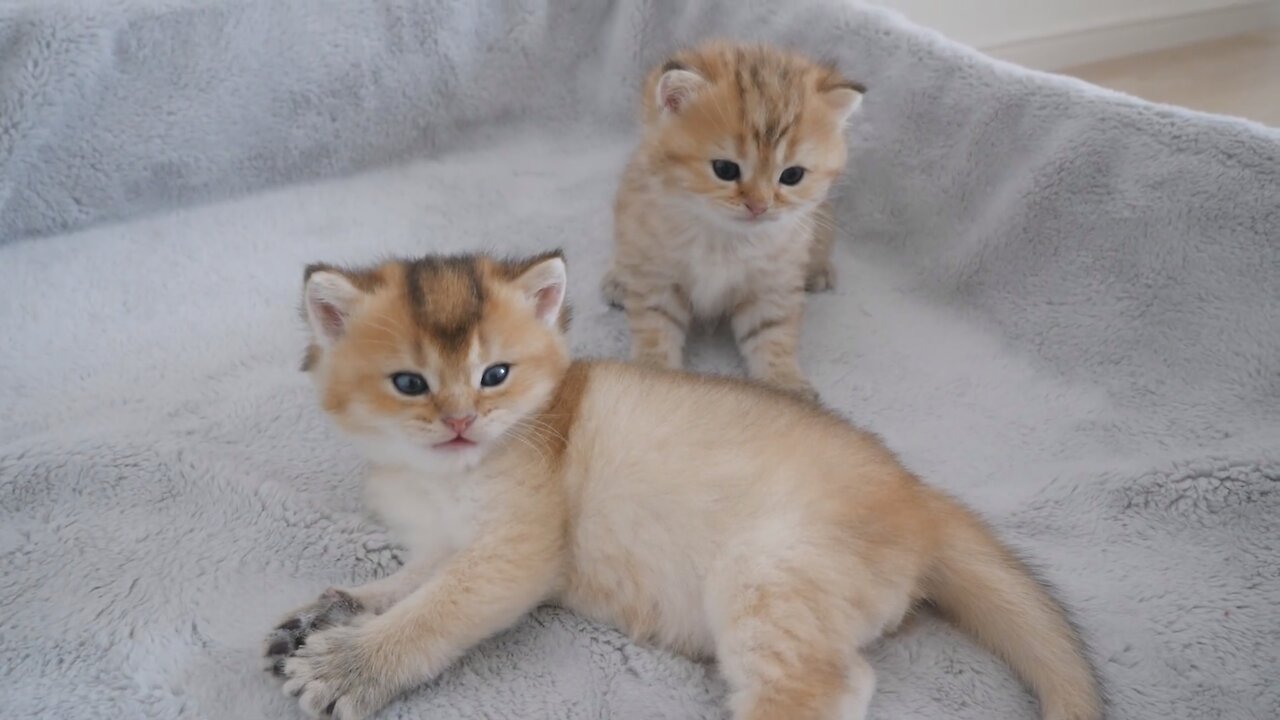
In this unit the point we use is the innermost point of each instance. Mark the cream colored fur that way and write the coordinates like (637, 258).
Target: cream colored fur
(673, 266)
(709, 516)
(690, 245)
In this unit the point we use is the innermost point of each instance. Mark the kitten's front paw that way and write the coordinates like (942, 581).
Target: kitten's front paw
(797, 386)
(804, 391)
(821, 279)
(339, 673)
(612, 290)
(333, 607)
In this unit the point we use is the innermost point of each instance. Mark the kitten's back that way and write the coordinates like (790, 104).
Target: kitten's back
(706, 478)
(732, 437)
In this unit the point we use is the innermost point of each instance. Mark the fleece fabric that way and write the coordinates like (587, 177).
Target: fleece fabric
(1058, 303)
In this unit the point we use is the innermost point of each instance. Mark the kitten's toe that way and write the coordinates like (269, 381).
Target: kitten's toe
(333, 607)
(797, 386)
(821, 279)
(335, 676)
(611, 289)
(804, 392)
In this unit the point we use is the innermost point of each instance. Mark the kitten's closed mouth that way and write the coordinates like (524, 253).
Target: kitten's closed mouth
(457, 443)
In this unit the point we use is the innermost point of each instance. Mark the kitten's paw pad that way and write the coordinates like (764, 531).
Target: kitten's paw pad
(821, 279)
(333, 607)
(335, 676)
(611, 289)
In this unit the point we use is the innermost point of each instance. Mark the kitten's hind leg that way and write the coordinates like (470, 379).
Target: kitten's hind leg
(785, 659)
(612, 289)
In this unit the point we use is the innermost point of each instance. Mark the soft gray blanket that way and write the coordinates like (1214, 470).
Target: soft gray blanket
(1058, 303)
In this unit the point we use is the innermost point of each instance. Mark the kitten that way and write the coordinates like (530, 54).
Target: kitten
(720, 210)
(715, 517)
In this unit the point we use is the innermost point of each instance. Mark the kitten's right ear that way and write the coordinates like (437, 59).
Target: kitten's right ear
(677, 86)
(330, 299)
(543, 284)
(844, 98)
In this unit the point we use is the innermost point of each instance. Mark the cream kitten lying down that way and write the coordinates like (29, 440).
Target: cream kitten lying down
(711, 516)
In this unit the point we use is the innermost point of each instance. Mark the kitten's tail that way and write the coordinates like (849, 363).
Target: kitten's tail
(984, 589)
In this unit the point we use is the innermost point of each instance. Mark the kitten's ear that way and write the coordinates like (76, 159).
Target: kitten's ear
(844, 99)
(544, 284)
(330, 298)
(677, 86)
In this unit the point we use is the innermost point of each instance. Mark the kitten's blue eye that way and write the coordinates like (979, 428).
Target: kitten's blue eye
(791, 176)
(726, 170)
(495, 375)
(408, 383)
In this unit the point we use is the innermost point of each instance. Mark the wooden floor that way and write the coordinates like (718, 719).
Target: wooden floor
(1238, 75)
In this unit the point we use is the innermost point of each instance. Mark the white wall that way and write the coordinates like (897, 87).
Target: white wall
(997, 24)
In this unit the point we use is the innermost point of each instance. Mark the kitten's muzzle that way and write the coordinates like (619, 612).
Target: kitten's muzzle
(458, 425)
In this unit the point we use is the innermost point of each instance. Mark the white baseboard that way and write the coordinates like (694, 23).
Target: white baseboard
(1055, 52)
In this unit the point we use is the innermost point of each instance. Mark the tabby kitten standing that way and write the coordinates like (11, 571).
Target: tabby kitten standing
(711, 516)
(721, 208)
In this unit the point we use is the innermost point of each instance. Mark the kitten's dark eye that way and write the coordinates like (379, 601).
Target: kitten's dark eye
(792, 175)
(726, 170)
(408, 383)
(495, 375)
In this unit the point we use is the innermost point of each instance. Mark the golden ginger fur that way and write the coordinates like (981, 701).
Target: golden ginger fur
(711, 516)
(690, 244)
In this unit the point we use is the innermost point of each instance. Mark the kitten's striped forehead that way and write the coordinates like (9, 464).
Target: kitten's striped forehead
(435, 304)
(763, 92)
(768, 88)
(445, 297)
(771, 93)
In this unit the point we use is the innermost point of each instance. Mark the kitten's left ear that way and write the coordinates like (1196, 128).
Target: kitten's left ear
(844, 99)
(677, 86)
(329, 297)
(543, 283)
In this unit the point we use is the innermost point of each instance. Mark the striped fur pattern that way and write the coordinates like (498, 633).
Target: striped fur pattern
(712, 516)
(745, 241)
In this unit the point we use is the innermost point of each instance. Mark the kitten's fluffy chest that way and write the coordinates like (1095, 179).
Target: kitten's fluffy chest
(718, 267)
(430, 515)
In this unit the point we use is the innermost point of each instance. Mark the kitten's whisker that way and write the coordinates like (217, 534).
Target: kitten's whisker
(384, 328)
(382, 316)
(389, 344)
(542, 429)
(825, 225)
(547, 427)
(528, 442)
(824, 221)
(720, 110)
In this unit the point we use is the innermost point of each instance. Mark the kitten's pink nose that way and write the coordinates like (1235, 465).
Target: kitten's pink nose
(755, 207)
(459, 424)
